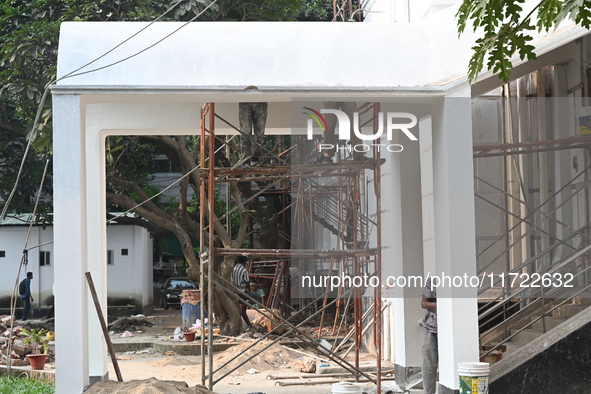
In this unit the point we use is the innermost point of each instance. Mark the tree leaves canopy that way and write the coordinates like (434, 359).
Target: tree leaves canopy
(507, 29)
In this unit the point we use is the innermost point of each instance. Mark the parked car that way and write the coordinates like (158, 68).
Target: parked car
(171, 291)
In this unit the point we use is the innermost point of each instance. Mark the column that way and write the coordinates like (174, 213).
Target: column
(70, 247)
(97, 243)
(453, 184)
(403, 254)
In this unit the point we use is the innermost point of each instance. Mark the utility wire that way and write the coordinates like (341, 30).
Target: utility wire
(20, 170)
(73, 74)
(70, 74)
(24, 260)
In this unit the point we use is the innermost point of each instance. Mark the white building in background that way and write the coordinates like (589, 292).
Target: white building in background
(129, 264)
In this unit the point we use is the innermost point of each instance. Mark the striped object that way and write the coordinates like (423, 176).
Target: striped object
(240, 276)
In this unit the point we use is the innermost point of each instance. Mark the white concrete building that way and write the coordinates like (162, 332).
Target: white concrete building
(129, 264)
(403, 54)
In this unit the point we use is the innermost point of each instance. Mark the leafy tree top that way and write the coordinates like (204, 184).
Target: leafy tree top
(507, 27)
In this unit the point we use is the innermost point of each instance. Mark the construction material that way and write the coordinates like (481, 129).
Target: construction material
(474, 377)
(129, 324)
(316, 382)
(101, 318)
(344, 375)
(306, 354)
(347, 388)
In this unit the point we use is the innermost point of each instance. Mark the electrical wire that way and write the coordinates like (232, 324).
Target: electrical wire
(20, 170)
(24, 261)
(122, 42)
(73, 74)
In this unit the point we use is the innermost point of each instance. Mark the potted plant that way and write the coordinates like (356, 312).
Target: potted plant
(37, 360)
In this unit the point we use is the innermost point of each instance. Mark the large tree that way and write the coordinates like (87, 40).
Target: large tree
(506, 27)
(28, 51)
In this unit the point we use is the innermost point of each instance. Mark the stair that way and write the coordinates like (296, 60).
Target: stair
(557, 361)
(530, 328)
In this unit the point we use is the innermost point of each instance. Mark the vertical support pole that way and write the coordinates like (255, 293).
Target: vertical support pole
(325, 302)
(358, 308)
(202, 239)
(543, 169)
(104, 328)
(377, 303)
(378, 292)
(70, 245)
(211, 186)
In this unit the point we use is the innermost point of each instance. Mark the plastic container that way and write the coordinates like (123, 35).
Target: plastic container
(473, 377)
(190, 313)
(347, 388)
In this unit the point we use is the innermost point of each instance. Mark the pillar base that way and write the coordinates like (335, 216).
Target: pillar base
(441, 389)
(405, 374)
(98, 378)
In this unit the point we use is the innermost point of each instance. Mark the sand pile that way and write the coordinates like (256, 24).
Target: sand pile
(148, 386)
(176, 361)
(274, 358)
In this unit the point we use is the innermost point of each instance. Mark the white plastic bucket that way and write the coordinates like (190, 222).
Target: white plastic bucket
(347, 388)
(473, 377)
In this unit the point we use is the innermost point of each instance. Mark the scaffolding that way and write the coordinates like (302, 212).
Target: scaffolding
(332, 197)
(544, 217)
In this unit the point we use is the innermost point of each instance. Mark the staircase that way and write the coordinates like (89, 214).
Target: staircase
(518, 316)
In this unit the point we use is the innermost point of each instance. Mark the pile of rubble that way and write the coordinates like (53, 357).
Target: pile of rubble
(19, 350)
(129, 324)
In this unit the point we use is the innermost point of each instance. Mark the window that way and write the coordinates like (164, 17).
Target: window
(110, 257)
(124, 252)
(44, 258)
(2, 253)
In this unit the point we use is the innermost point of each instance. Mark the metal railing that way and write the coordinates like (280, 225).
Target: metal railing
(518, 304)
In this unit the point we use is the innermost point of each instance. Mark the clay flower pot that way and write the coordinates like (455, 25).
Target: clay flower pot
(189, 336)
(37, 361)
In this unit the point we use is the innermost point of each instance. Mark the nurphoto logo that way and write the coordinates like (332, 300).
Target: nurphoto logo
(394, 121)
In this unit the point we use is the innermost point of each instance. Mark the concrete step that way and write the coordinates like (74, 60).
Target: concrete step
(550, 322)
(525, 336)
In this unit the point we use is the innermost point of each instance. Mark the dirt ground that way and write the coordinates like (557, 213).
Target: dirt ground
(145, 364)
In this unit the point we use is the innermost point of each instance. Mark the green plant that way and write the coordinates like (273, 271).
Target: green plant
(35, 336)
(25, 386)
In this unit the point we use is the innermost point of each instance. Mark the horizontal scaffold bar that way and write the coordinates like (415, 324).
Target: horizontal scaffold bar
(310, 253)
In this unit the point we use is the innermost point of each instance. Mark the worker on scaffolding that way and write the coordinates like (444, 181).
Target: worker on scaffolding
(253, 117)
(330, 139)
(241, 280)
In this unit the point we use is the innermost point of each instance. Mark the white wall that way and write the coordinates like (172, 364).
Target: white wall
(127, 277)
(130, 277)
(12, 241)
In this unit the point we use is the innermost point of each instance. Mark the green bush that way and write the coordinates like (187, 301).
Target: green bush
(25, 386)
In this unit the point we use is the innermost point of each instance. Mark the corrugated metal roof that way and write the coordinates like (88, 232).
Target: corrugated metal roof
(22, 219)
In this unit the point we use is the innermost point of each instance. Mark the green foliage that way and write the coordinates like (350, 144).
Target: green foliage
(129, 158)
(12, 146)
(25, 386)
(36, 337)
(315, 10)
(506, 29)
